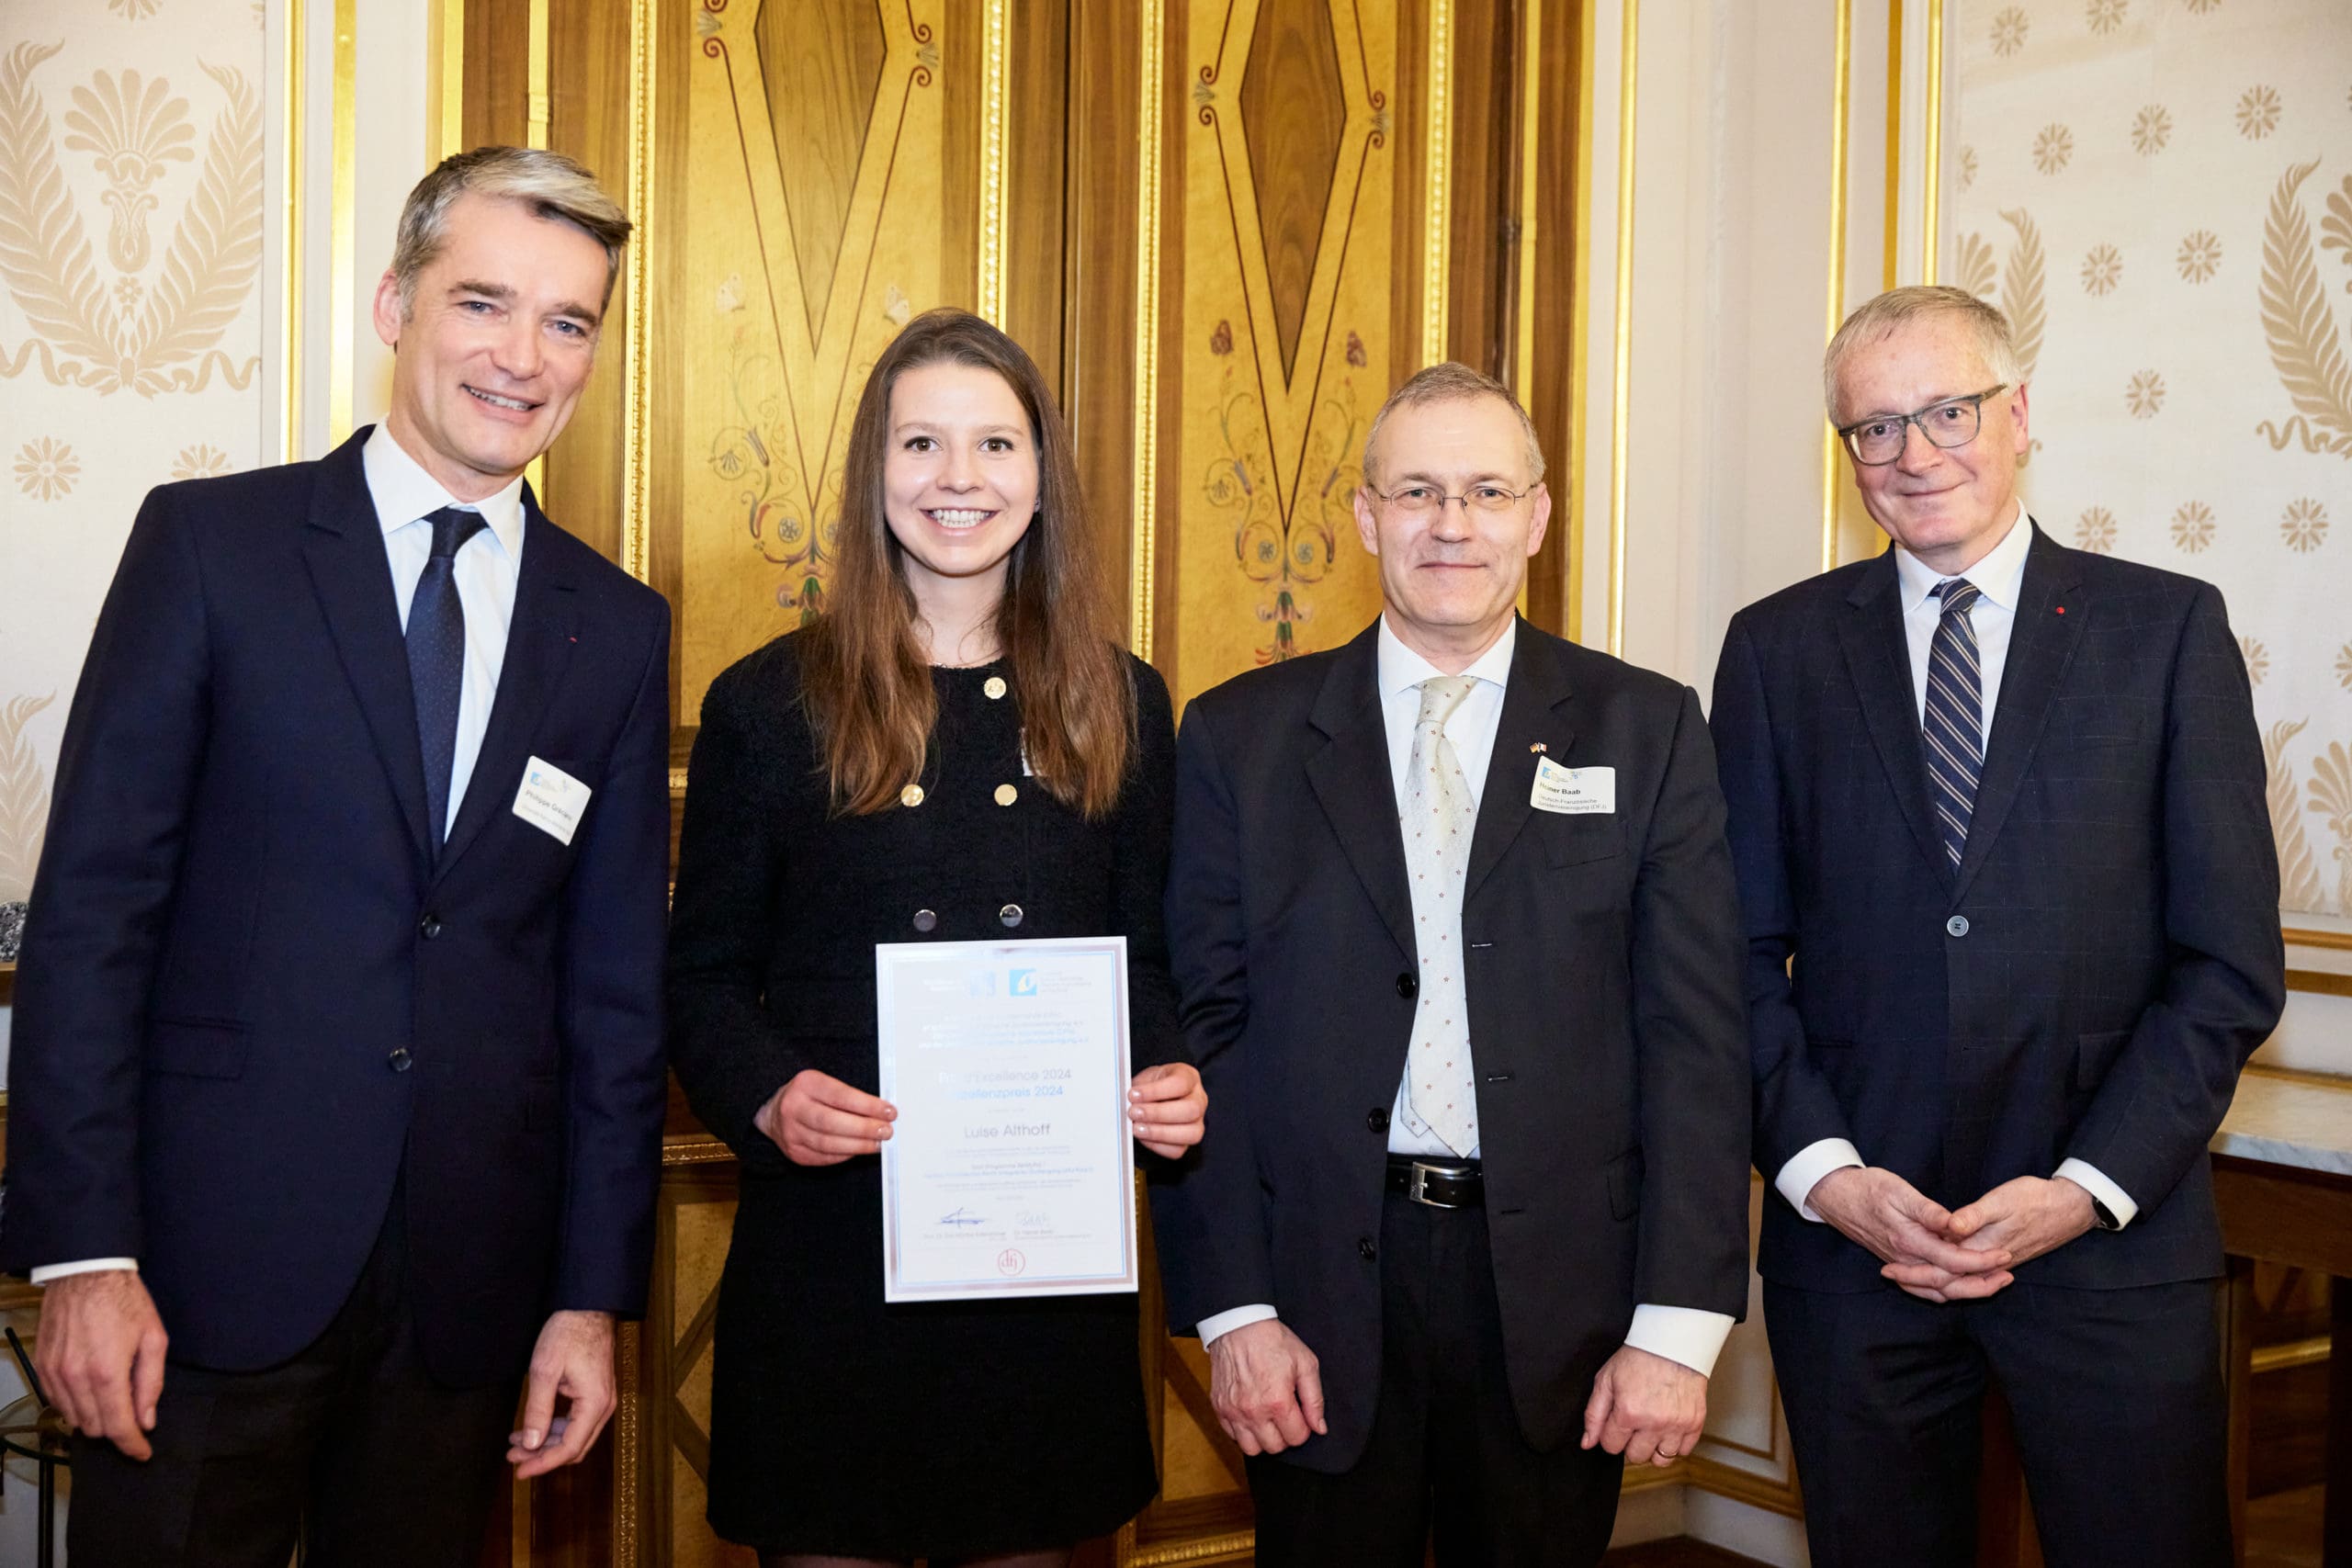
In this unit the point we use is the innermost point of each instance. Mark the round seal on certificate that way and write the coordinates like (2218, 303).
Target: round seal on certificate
(1010, 1261)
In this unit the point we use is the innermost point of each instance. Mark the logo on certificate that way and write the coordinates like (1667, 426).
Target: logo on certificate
(1025, 982)
(1010, 1262)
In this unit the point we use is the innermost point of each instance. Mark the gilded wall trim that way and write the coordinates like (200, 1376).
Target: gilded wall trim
(1892, 242)
(1931, 218)
(289, 251)
(1580, 325)
(1530, 106)
(637, 471)
(444, 88)
(993, 54)
(1622, 388)
(1437, 181)
(629, 1433)
(1841, 113)
(342, 286)
(1143, 539)
(538, 105)
(1234, 1548)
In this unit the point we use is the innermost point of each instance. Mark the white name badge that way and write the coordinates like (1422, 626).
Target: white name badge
(550, 800)
(1576, 791)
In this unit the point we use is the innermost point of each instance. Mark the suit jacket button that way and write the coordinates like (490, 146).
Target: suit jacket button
(429, 927)
(1010, 914)
(925, 921)
(1408, 985)
(1957, 925)
(400, 1059)
(1377, 1118)
(1365, 1250)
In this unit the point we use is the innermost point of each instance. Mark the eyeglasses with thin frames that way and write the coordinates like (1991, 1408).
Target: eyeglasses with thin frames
(1420, 500)
(1880, 439)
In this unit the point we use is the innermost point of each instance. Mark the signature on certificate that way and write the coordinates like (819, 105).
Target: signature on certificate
(959, 1216)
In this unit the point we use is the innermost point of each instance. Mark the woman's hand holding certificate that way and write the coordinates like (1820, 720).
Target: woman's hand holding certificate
(1168, 1108)
(815, 1119)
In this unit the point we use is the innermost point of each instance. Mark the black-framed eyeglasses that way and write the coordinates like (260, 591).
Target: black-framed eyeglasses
(1420, 501)
(1880, 439)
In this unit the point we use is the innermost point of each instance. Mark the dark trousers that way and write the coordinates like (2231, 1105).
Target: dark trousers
(2118, 1409)
(1446, 1452)
(352, 1444)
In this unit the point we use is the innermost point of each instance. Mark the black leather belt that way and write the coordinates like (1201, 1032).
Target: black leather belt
(1441, 1184)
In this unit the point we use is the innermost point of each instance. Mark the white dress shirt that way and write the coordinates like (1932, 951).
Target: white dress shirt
(1999, 577)
(485, 570)
(1686, 1334)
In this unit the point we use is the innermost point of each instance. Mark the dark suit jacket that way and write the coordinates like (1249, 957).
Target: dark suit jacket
(2104, 961)
(1603, 955)
(247, 996)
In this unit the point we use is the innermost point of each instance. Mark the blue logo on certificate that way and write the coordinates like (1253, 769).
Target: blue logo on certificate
(1025, 982)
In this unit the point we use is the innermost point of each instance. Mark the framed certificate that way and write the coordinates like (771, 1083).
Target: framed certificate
(1011, 1169)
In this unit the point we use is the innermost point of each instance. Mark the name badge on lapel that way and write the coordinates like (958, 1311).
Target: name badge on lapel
(1573, 792)
(550, 800)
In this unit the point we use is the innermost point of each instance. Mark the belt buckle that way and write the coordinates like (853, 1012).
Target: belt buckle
(1418, 1190)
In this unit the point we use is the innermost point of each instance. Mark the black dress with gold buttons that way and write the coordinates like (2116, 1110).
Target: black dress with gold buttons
(839, 1424)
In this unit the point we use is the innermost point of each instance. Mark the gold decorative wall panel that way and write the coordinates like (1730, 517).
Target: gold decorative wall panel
(815, 211)
(1288, 271)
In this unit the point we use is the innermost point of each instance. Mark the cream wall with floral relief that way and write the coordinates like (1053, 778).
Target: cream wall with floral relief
(133, 143)
(2160, 194)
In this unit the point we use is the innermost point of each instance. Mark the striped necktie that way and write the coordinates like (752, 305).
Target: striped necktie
(1954, 724)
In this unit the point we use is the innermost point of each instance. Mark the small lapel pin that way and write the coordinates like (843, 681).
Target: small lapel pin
(2061, 609)
(1538, 746)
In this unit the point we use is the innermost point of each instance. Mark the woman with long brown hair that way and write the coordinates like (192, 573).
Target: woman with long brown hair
(957, 749)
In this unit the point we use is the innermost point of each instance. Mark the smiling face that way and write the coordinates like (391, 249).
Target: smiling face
(1449, 578)
(1946, 505)
(495, 344)
(959, 476)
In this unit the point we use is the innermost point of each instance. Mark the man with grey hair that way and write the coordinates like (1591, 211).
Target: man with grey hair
(1454, 929)
(1997, 809)
(337, 1087)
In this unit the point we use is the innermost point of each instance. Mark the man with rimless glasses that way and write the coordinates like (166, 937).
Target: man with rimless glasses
(1996, 809)
(1454, 926)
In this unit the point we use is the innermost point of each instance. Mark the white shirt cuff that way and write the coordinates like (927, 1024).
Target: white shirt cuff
(2093, 1181)
(48, 1272)
(1684, 1335)
(1808, 1166)
(1222, 1322)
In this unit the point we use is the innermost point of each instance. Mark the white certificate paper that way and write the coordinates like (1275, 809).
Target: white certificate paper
(1011, 1169)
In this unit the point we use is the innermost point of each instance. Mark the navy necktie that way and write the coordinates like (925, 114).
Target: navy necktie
(1954, 724)
(437, 659)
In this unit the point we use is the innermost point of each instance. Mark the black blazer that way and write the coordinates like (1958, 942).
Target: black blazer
(1605, 1018)
(247, 997)
(2089, 982)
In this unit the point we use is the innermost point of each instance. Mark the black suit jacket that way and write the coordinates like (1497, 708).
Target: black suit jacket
(1602, 955)
(2089, 981)
(247, 994)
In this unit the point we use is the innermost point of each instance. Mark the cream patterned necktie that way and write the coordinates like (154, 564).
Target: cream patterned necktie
(1438, 818)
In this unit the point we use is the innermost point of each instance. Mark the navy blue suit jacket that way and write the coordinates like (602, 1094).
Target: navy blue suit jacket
(1602, 968)
(248, 996)
(2090, 979)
